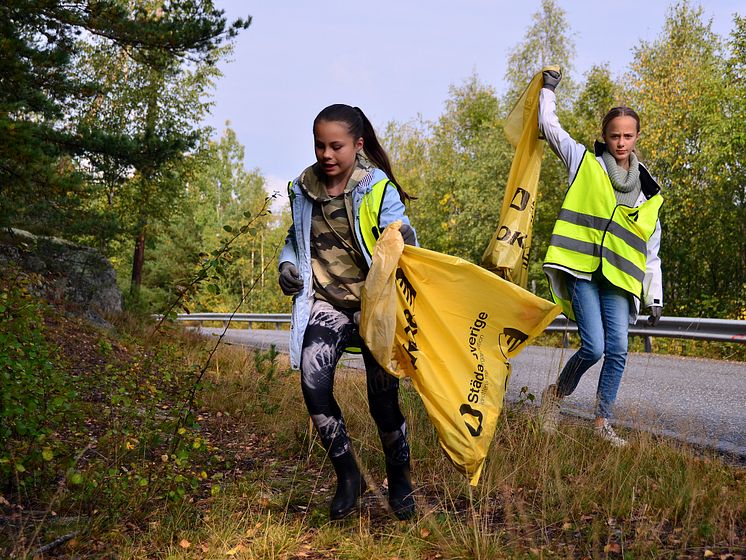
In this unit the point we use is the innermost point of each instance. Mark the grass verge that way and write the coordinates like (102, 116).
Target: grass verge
(115, 463)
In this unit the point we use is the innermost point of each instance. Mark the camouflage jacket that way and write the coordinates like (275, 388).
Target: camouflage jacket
(297, 250)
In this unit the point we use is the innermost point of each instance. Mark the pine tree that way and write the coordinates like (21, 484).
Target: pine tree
(45, 154)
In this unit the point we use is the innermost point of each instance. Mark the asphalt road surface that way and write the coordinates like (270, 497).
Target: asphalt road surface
(696, 400)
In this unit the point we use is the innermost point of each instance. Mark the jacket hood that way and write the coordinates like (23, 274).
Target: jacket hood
(311, 181)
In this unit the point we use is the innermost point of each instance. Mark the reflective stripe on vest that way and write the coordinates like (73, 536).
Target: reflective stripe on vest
(370, 210)
(592, 230)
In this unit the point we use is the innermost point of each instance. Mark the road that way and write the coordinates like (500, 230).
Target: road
(696, 400)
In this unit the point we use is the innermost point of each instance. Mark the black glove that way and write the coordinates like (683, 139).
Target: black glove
(290, 281)
(655, 315)
(407, 233)
(551, 79)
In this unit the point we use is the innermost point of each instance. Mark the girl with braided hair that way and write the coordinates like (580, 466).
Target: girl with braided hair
(602, 260)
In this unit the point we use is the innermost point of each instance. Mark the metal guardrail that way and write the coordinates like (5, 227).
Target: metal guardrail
(722, 330)
(251, 318)
(675, 327)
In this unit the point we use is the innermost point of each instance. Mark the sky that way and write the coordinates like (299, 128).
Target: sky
(396, 59)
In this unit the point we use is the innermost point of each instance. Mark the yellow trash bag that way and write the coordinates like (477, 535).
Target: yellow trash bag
(450, 326)
(508, 251)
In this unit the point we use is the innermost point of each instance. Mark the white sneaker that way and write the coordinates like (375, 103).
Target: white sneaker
(605, 431)
(550, 409)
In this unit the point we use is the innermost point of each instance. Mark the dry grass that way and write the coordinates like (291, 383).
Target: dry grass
(568, 496)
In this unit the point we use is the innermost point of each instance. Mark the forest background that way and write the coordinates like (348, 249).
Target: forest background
(101, 143)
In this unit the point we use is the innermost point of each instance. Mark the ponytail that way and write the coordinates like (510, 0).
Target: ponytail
(375, 152)
(360, 127)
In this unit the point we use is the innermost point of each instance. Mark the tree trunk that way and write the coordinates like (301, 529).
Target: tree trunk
(137, 261)
(147, 173)
(261, 269)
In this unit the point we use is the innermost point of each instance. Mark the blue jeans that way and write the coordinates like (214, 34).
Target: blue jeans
(602, 314)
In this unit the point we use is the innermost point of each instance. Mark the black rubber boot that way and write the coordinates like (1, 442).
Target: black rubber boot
(350, 486)
(401, 495)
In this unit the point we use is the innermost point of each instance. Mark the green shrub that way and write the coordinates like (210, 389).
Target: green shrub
(36, 396)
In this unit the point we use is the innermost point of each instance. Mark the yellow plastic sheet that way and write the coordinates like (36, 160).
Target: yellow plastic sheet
(508, 251)
(450, 326)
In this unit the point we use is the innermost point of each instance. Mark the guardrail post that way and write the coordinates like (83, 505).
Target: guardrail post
(565, 339)
(648, 343)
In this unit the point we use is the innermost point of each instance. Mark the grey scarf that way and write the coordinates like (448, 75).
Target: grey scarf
(626, 183)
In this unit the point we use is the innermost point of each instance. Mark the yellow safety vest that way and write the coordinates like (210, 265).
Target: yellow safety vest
(370, 228)
(593, 231)
(368, 215)
(370, 210)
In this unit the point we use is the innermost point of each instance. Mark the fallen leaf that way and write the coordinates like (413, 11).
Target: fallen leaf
(425, 532)
(613, 548)
(709, 553)
(204, 548)
(183, 543)
(236, 549)
(566, 526)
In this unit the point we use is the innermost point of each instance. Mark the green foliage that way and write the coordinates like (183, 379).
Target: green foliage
(105, 109)
(106, 433)
(687, 85)
(36, 397)
(683, 85)
(547, 41)
(146, 415)
(463, 163)
(407, 145)
(597, 95)
(223, 234)
(213, 268)
(269, 381)
(45, 152)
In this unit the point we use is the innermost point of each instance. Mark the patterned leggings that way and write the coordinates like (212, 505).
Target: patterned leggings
(329, 331)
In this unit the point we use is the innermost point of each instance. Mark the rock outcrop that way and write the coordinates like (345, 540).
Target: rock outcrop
(78, 276)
